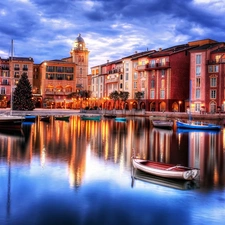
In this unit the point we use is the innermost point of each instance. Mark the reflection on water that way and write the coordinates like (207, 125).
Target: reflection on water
(94, 158)
(72, 142)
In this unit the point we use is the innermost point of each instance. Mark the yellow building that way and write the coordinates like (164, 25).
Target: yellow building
(57, 79)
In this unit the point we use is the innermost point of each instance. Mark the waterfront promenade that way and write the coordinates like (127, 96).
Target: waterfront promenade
(141, 113)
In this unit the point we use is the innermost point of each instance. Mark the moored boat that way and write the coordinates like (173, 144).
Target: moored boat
(167, 124)
(120, 119)
(9, 122)
(62, 117)
(197, 125)
(166, 182)
(30, 118)
(165, 170)
(90, 117)
(110, 116)
(45, 118)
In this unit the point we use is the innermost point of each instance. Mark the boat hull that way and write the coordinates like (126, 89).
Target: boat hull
(9, 122)
(165, 170)
(163, 124)
(197, 125)
(96, 118)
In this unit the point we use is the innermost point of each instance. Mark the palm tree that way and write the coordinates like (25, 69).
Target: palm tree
(138, 95)
(124, 95)
(115, 96)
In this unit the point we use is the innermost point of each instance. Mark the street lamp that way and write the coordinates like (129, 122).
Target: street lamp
(179, 105)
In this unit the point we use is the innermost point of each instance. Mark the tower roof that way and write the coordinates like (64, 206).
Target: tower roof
(79, 39)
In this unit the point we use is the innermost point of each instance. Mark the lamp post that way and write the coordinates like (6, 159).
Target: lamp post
(179, 105)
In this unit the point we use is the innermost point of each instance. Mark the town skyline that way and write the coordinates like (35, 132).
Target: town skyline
(43, 31)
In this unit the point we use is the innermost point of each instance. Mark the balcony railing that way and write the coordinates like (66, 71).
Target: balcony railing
(158, 66)
(16, 68)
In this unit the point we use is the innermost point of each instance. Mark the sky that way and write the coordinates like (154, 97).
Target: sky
(111, 29)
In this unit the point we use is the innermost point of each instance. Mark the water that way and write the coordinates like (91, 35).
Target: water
(80, 172)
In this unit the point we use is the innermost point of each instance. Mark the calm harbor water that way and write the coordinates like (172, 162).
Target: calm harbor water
(79, 172)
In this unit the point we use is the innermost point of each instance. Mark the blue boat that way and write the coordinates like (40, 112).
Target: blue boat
(197, 125)
(30, 118)
(120, 119)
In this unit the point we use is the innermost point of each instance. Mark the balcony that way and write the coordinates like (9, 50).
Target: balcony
(158, 66)
(25, 69)
(16, 68)
(141, 67)
(112, 79)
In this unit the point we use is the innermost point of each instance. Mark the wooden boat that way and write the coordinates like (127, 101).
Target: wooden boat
(9, 122)
(165, 170)
(90, 117)
(197, 125)
(30, 118)
(45, 118)
(167, 124)
(120, 119)
(166, 182)
(61, 117)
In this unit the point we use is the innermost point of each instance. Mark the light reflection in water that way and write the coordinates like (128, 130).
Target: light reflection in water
(94, 158)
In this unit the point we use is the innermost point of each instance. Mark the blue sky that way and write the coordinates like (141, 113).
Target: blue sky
(112, 29)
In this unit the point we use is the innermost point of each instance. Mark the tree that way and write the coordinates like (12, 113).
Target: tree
(124, 95)
(22, 96)
(138, 95)
(115, 96)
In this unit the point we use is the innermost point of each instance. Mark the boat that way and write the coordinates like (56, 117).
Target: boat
(120, 119)
(197, 125)
(110, 116)
(167, 124)
(30, 118)
(9, 122)
(166, 182)
(45, 118)
(90, 117)
(61, 117)
(165, 170)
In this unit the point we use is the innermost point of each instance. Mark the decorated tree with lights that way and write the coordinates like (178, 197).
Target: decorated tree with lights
(22, 97)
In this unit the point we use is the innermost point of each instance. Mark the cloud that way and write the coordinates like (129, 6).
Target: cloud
(46, 29)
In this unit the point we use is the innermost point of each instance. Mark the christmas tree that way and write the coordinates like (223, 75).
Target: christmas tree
(22, 96)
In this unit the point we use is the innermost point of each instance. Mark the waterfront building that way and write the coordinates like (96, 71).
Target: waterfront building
(207, 69)
(60, 78)
(52, 81)
(11, 70)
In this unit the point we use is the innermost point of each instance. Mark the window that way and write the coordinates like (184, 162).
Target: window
(162, 94)
(152, 63)
(135, 64)
(80, 70)
(2, 90)
(198, 82)
(198, 70)
(152, 83)
(213, 82)
(5, 82)
(152, 94)
(127, 76)
(163, 73)
(121, 85)
(197, 95)
(135, 84)
(135, 76)
(127, 66)
(142, 84)
(213, 69)
(198, 59)
(16, 67)
(197, 107)
(126, 86)
(212, 94)
(121, 76)
(16, 75)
